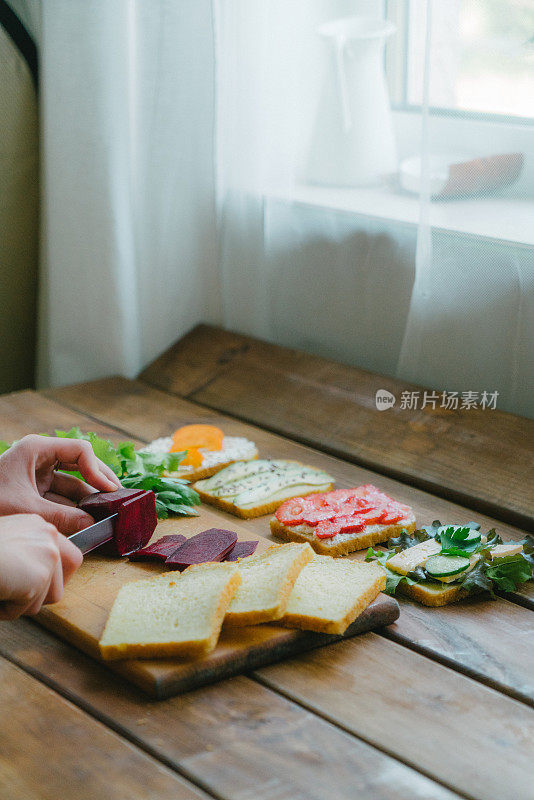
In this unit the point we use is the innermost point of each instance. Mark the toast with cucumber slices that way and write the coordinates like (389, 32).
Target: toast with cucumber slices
(253, 488)
(440, 564)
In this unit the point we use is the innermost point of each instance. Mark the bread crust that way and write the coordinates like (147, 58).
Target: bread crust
(201, 474)
(277, 612)
(351, 542)
(250, 513)
(433, 597)
(319, 625)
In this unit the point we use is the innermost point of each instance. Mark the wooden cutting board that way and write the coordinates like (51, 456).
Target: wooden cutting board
(82, 613)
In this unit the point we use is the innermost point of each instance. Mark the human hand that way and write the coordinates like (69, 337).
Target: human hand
(35, 562)
(29, 482)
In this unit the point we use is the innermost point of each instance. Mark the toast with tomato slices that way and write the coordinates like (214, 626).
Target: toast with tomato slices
(342, 521)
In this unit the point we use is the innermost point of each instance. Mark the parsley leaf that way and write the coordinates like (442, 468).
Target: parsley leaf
(453, 541)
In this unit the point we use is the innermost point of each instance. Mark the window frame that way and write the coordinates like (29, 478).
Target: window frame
(396, 69)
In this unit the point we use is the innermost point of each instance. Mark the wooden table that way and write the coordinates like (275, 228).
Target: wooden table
(437, 706)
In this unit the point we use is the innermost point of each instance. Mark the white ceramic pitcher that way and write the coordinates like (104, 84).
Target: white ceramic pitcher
(353, 142)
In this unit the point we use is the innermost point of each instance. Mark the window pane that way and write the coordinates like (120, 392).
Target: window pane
(482, 55)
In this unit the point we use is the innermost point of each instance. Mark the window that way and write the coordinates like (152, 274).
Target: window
(482, 57)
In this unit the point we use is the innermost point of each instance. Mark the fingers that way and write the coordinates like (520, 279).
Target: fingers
(77, 454)
(58, 498)
(70, 486)
(55, 588)
(35, 563)
(71, 558)
(67, 519)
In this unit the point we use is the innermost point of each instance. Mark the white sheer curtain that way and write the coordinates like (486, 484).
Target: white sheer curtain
(436, 291)
(177, 188)
(128, 253)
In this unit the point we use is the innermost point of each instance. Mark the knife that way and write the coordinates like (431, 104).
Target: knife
(92, 537)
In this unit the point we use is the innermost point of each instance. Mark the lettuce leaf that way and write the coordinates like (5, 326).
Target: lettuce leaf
(510, 573)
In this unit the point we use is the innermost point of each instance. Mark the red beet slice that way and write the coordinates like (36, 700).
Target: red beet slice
(160, 550)
(135, 524)
(103, 504)
(211, 545)
(241, 550)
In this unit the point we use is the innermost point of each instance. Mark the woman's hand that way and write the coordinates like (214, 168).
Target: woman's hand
(35, 562)
(29, 482)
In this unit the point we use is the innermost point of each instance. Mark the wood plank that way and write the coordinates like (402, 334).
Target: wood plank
(50, 748)
(28, 412)
(237, 739)
(373, 689)
(498, 627)
(480, 458)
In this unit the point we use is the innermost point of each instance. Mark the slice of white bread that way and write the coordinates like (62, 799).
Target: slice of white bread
(330, 593)
(342, 543)
(268, 579)
(210, 493)
(432, 593)
(171, 615)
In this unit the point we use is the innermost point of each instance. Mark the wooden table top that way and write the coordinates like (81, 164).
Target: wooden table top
(436, 706)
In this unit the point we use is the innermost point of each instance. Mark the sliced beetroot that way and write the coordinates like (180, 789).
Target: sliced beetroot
(211, 545)
(241, 550)
(103, 504)
(136, 522)
(160, 550)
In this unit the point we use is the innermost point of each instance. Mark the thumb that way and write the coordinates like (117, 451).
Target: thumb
(67, 519)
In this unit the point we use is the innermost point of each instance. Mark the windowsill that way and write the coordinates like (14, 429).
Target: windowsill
(503, 218)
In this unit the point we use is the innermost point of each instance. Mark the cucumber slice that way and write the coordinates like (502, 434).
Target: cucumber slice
(443, 566)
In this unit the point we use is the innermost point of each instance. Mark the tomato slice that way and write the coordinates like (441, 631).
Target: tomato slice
(394, 512)
(374, 516)
(325, 530)
(293, 511)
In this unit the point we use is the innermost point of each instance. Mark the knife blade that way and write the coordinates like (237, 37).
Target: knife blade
(95, 535)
